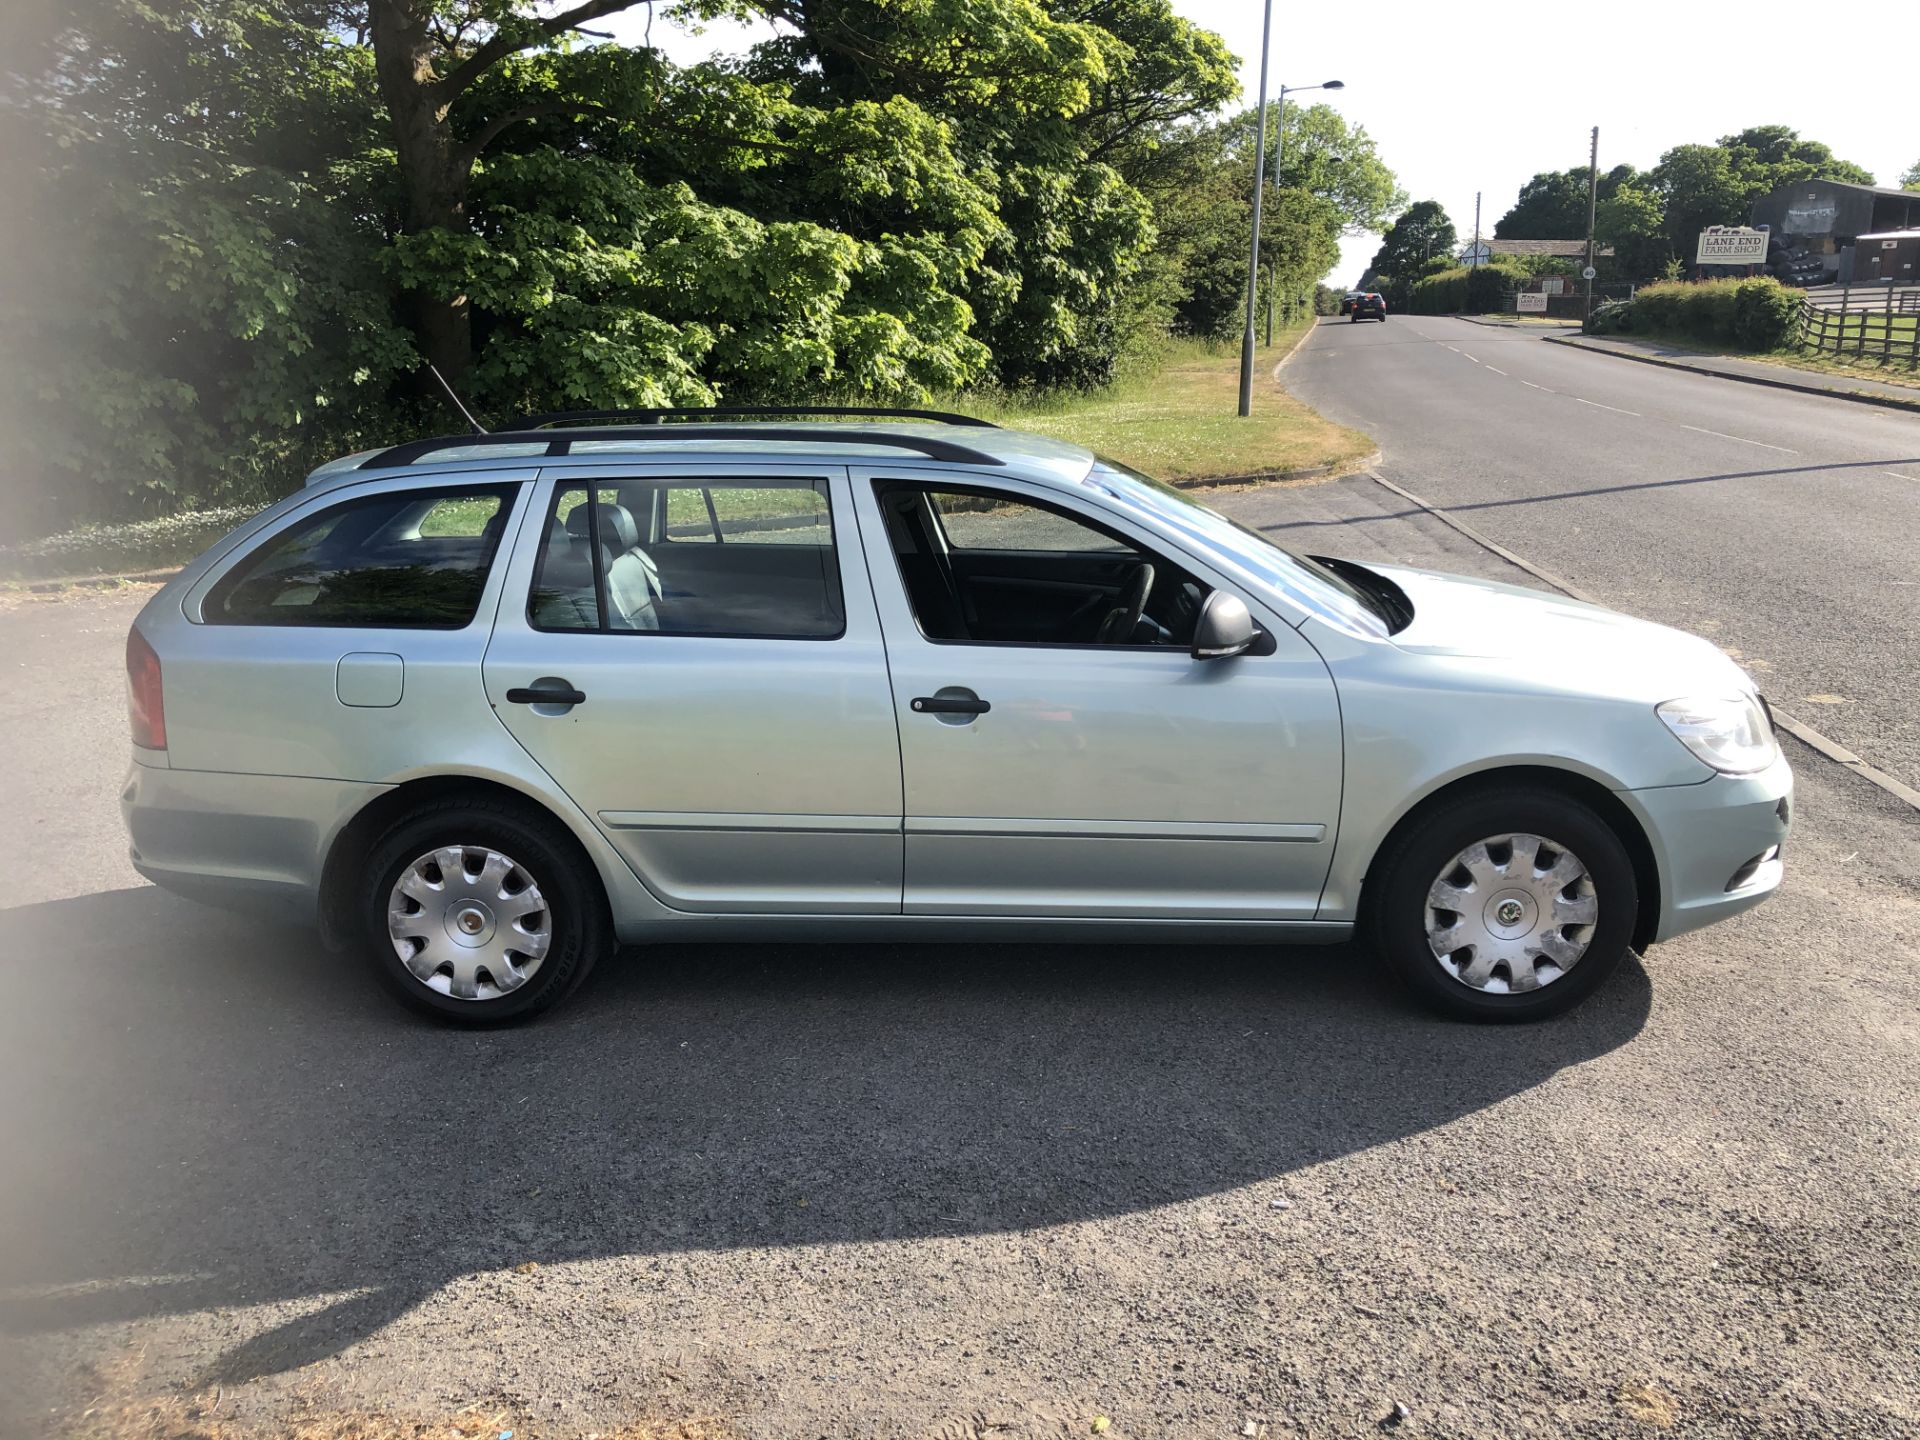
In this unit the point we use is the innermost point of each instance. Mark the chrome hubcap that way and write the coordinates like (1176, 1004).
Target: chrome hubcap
(1511, 913)
(469, 922)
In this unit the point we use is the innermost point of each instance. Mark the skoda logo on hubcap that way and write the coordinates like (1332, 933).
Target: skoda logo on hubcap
(1508, 912)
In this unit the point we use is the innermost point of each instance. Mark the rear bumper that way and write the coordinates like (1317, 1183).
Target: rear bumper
(243, 842)
(1717, 844)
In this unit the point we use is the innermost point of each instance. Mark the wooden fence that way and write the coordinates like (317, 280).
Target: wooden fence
(1888, 334)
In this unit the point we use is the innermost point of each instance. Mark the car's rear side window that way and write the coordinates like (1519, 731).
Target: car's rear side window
(415, 559)
(740, 558)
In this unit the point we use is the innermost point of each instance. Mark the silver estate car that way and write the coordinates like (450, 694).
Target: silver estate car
(483, 707)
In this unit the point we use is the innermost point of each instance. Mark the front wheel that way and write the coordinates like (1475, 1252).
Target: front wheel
(480, 913)
(1512, 905)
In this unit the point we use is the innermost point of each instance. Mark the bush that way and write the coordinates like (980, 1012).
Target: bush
(1476, 291)
(140, 545)
(1739, 314)
(1611, 317)
(1764, 312)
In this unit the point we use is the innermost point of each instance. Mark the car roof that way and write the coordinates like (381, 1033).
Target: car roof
(987, 448)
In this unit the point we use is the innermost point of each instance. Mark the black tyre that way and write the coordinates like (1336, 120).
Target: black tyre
(480, 912)
(1514, 904)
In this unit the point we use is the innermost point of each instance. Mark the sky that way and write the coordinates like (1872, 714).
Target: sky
(1459, 102)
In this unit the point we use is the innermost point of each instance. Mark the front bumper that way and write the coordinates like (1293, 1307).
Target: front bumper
(1717, 844)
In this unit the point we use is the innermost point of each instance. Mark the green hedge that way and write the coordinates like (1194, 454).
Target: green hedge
(156, 544)
(1477, 291)
(1739, 314)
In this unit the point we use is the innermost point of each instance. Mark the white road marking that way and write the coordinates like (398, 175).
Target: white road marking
(1898, 476)
(1741, 438)
(1531, 386)
(1615, 408)
(1496, 370)
(1469, 357)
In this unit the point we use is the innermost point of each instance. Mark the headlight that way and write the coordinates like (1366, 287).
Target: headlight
(1729, 732)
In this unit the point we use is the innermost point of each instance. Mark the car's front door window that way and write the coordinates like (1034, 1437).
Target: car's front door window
(986, 567)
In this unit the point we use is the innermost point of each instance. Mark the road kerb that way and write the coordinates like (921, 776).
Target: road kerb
(1859, 397)
(1294, 349)
(1831, 749)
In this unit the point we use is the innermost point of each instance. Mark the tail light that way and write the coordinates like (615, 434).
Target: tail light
(146, 704)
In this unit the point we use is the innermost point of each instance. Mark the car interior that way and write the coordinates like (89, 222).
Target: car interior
(982, 568)
(757, 560)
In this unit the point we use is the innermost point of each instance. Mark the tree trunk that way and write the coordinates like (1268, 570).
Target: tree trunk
(434, 168)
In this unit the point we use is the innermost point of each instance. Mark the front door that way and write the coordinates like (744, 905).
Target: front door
(692, 660)
(1063, 753)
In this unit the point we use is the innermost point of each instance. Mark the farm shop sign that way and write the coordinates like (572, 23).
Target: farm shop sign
(1731, 245)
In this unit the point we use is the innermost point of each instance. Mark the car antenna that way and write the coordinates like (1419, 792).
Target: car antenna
(465, 413)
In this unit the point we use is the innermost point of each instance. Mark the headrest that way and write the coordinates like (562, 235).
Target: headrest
(618, 530)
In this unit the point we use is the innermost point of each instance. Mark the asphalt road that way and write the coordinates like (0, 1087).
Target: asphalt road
(1785, 527)
(934, 1191)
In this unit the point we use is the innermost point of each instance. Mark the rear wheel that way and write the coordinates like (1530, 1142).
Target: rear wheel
(1353, 319)
(1511, 905)
(481, 913)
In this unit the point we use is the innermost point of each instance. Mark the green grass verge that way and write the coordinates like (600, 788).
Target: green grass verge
(1853, 367)
(1181, 422)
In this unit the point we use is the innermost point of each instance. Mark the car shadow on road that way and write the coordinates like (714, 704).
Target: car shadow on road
(207, 1112)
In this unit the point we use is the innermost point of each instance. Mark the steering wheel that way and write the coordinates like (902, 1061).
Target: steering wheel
(1119, 625)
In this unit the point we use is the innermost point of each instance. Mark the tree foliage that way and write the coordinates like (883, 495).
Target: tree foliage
(1332, 182)
(1703, 185)
(1422, 233)
(1553, 204)
(241, 230)
(1650, 217)
(1911, 180)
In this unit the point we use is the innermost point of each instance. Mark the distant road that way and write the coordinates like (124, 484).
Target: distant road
(1785, 527)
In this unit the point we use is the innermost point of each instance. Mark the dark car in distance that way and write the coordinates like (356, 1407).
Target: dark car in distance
(1365, 305)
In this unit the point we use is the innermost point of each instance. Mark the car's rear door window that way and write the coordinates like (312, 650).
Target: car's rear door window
(415, 559)
(741, 558)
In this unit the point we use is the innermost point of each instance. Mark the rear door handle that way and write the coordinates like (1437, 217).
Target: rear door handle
(547, 690)
(950, 705)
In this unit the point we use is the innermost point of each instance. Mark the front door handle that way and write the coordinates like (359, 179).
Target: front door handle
(547, 690)
(950, 705)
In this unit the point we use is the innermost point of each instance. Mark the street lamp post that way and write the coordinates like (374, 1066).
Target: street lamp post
(1259, 186)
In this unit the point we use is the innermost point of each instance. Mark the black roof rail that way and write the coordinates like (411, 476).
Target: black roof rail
(658, 416)
(560, 442)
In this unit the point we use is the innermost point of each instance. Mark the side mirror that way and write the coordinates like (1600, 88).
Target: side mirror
(1225, 628)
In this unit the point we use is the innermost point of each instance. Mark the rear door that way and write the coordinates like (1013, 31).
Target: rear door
(712, 689)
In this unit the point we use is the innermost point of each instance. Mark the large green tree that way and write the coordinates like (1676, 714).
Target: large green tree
(1553, 204)
(1422, 233)
(241, 229)
(1332, 182)
(1702, 185)
(190, 276)
(1911, 180)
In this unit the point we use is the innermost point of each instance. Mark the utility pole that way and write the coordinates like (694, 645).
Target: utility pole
(1593, 208)
(1253, 256)
(1476, 234)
